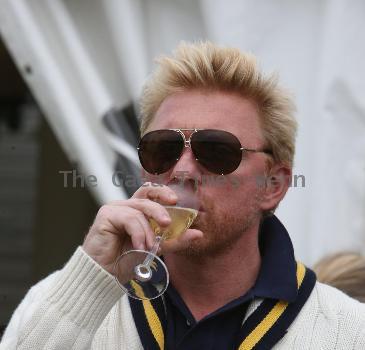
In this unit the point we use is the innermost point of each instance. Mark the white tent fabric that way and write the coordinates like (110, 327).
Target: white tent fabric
(88, 56)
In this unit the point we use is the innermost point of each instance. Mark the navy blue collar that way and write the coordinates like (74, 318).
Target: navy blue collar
(223, 327)
(277, 276)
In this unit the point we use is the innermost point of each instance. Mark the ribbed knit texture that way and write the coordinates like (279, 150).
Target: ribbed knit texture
(81, 307)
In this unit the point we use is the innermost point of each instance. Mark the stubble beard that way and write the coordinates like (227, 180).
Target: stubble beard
(221, 231)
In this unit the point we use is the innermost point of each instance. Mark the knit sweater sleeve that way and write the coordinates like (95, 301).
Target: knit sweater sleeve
(65, 310)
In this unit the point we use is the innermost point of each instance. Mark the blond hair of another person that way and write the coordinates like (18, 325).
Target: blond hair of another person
(344, 271)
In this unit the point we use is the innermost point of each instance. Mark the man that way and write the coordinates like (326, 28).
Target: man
(207, 111)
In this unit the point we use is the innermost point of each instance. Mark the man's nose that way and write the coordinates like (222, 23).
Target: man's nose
(187, 166)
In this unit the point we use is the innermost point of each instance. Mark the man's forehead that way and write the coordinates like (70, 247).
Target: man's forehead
(208, 110)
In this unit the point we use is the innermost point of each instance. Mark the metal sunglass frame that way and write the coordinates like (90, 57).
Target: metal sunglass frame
(187, 142)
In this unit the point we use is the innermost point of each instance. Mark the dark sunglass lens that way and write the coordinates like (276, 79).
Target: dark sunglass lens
(218, 151)
(159, 150)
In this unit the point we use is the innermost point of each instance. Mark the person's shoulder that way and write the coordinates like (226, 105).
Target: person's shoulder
(340, 309)
(333, 300)
(329, 319)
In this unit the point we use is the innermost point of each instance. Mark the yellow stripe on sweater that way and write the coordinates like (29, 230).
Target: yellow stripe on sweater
(152, 318)
(263, 327)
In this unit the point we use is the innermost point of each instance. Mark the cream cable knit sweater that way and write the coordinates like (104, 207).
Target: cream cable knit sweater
(81, 307)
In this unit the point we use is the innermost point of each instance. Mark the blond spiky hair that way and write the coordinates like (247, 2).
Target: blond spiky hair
(204, 65)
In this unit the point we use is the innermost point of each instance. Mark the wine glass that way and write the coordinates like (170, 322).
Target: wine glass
(142, 274)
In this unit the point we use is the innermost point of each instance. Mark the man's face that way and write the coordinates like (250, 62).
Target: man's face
(230, 203)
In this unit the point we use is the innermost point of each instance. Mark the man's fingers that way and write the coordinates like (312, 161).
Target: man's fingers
(132, 218)
(124, 217)
(132, 222)
(157, 193)
(149, 208)
(150, 236)
(181, 242)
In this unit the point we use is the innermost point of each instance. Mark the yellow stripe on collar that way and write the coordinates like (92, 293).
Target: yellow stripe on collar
(300, 273)
(152, 318)
(263, 327)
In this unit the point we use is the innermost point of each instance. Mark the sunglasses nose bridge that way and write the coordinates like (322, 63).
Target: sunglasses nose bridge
(186, 162)
(187, 143)
(186, 140)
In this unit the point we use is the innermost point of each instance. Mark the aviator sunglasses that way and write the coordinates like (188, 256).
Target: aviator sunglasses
(218, 151)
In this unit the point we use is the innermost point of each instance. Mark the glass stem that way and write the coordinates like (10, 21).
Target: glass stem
(151, 254)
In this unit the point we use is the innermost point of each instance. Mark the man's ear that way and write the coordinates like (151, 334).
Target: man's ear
(278, 181)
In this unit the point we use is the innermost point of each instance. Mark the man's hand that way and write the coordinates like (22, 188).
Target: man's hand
(123, 225)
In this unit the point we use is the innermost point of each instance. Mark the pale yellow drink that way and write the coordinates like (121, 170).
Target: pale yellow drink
(181, 219)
